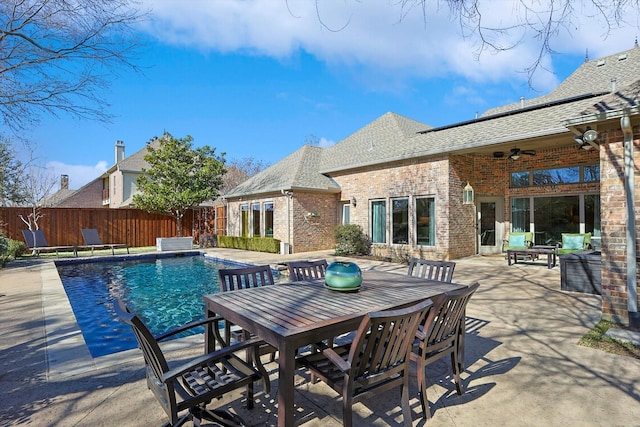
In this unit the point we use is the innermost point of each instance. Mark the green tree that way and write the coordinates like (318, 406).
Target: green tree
(12, 191)
(179, 177)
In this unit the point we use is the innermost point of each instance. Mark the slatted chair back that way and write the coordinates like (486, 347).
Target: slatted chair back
(442, 334)
(375, 361)
(243, 278)
(432, 269)
(246, 277)
(306, 270)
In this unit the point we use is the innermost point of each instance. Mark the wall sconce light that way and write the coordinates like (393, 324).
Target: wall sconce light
(354, 202)
(467, 194)
(311, 214)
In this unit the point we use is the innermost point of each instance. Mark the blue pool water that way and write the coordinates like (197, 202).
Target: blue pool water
(164, 292)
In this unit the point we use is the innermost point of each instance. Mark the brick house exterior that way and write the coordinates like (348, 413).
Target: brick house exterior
(402, 180)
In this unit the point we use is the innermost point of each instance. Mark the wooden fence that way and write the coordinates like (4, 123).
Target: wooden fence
(61, 226)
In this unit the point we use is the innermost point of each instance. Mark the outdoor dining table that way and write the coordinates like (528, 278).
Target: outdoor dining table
(296, 314)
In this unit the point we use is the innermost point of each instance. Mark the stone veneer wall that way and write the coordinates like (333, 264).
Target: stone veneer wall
(614, 224)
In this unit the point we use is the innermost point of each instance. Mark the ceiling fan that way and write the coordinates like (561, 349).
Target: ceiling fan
(516, 153)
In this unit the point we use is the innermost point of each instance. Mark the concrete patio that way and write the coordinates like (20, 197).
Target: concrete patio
(524, 366)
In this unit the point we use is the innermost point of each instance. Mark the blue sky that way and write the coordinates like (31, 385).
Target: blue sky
(256, 78)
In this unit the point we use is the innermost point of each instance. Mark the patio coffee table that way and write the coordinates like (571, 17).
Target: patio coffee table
(551, 253)
(293, 315)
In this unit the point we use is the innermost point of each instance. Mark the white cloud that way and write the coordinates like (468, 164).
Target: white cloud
(380, 45)
(79, 175)
(324, 143)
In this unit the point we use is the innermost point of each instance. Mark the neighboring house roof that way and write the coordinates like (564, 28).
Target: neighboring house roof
(298, 171)
(58, 197)
(135, 162)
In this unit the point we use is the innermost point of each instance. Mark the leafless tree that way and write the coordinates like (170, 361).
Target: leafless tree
(56, 56)
(239, 171)
(537, 20)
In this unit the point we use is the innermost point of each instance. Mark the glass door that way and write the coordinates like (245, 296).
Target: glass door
(490, 230)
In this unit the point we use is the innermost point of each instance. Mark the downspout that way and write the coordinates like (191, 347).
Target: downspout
(629, 180)
(288, 195)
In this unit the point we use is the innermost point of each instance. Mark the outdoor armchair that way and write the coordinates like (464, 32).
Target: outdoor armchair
(375, 361)
(574, 242)
(192, 385)
(442, 334)
(518, 240)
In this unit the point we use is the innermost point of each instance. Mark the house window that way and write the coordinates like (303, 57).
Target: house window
(570, 175)
(520, 214)
(255, 208)
(346, 214)
(268, 219)
(519, 179)
(400, 221)
(591, 173)
(244, 220)
(592, 214)
(556, 215)
(425, 221)
(378, 221)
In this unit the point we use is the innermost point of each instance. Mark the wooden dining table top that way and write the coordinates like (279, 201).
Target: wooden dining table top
(295, 314)
(295, 309)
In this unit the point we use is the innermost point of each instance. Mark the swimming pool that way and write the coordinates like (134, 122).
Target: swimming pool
(165, 292)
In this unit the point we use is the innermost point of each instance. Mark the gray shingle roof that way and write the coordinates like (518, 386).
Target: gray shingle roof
(591, 77)
(299, 171)
(393, 137)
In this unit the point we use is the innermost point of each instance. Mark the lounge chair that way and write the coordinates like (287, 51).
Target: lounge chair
(92, 241)
(36, 242)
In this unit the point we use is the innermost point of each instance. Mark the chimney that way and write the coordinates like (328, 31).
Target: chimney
(64, 182)
(119, 151)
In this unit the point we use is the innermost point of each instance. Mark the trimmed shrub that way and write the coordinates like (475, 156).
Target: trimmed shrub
(351, 240)
(257, 244)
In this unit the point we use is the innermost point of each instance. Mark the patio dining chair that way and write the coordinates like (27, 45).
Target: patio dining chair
(305, 270)
(191, 386)
(243, 278)
(442, 334)
(432, 269)
(375, 361)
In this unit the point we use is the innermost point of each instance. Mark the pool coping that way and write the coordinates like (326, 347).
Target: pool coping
(67, 353)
